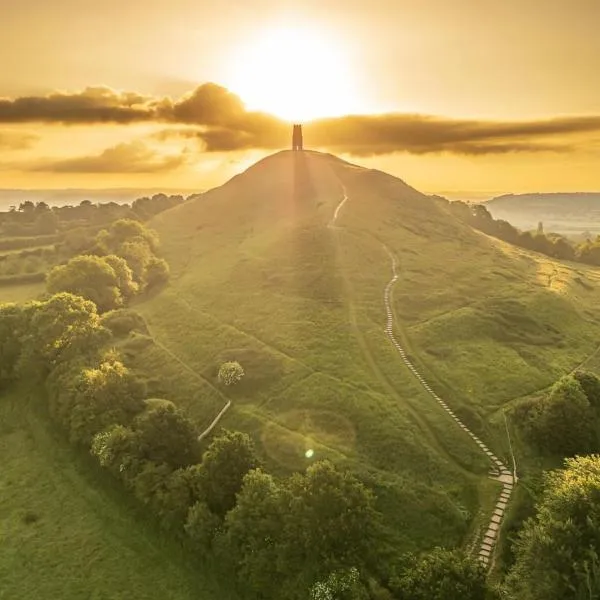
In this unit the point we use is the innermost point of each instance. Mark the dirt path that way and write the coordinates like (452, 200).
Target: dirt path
(506, 478)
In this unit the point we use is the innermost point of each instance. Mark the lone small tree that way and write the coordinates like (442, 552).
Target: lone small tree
(230, 372)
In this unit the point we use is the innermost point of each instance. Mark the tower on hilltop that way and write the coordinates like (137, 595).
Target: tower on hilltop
(297, 137)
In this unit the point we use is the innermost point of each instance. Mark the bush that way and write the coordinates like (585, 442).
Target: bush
(123, 321)
(230, 373)
(157, 272)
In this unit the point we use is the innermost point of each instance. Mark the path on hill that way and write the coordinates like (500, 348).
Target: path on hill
(505, 477)
(187, 367)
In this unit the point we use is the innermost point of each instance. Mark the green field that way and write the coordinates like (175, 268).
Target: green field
(65, 533)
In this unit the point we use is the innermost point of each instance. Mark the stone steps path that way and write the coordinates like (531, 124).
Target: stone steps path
(505, 477)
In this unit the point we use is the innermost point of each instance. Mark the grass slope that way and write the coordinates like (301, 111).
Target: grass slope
(64, 534)
(258, 276)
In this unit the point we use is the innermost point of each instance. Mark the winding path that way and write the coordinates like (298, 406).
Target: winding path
(506, 478)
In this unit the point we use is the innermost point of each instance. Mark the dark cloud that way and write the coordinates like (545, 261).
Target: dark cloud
(219, 120)
(15, 140)
(134, 157)
(422, 134)
(93, 105)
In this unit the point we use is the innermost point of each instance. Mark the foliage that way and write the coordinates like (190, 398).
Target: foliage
(440, 575)
(91, 277)
(340, 585)
(201, 526)
(167, 436)
(557, 550)
(63, 328)
(230, 373)
(127, 287)
(12, 326)
(157, 272)
(286, 537)
(551, 244)
(107, 395)
(224, 464)
(590, 384)
(254, 534)
(123, 321)
(562, 422)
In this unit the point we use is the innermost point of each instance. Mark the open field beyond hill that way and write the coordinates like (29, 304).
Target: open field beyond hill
(259, 276)
(65, 533)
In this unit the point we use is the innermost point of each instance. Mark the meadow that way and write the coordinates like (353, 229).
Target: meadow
(68, 532)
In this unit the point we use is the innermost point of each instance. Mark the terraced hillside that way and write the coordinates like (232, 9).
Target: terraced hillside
(260, 276)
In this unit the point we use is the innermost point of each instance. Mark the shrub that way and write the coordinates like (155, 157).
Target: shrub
(230, 373)
(123, 321)
(157, 272)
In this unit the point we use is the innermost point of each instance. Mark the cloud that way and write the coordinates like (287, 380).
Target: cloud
(218, 119)
(92, 105)
(422, 134)
(134, 157)
(15, 140)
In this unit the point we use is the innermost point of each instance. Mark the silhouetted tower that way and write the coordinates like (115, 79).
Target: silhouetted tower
(297, 137)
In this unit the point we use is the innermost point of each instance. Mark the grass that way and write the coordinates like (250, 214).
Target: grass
(66, 533)
(21, 292)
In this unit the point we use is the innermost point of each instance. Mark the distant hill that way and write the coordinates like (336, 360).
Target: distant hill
(259, 275)
(568, 213)
(60, 197)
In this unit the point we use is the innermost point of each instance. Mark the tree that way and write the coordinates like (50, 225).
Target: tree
(224, 464)
(13, 323)
(61, 329)
(118, 449)
(254, 535)
(138, 255)
(91, 277)
(167, 436)
(157, 272)
(340, 585)
(201, 526)
(563, 422)
(557, 550)
(440, 575)
(590, 384)
(230, 373)
(127, 287)
(46, 222)
(119, 232)
(330, 524)
(107, 395)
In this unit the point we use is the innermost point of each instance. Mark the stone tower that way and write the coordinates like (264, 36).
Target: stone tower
(297, 137)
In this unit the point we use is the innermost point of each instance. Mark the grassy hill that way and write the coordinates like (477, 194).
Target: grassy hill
(259, 276)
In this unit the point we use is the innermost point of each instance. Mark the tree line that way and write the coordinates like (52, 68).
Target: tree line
(120, 262)
(29, 219)
(550, 244)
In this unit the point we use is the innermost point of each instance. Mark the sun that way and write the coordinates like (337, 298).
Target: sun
(297, 73)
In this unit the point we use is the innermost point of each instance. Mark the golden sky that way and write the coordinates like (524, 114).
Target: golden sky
(469, 98)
